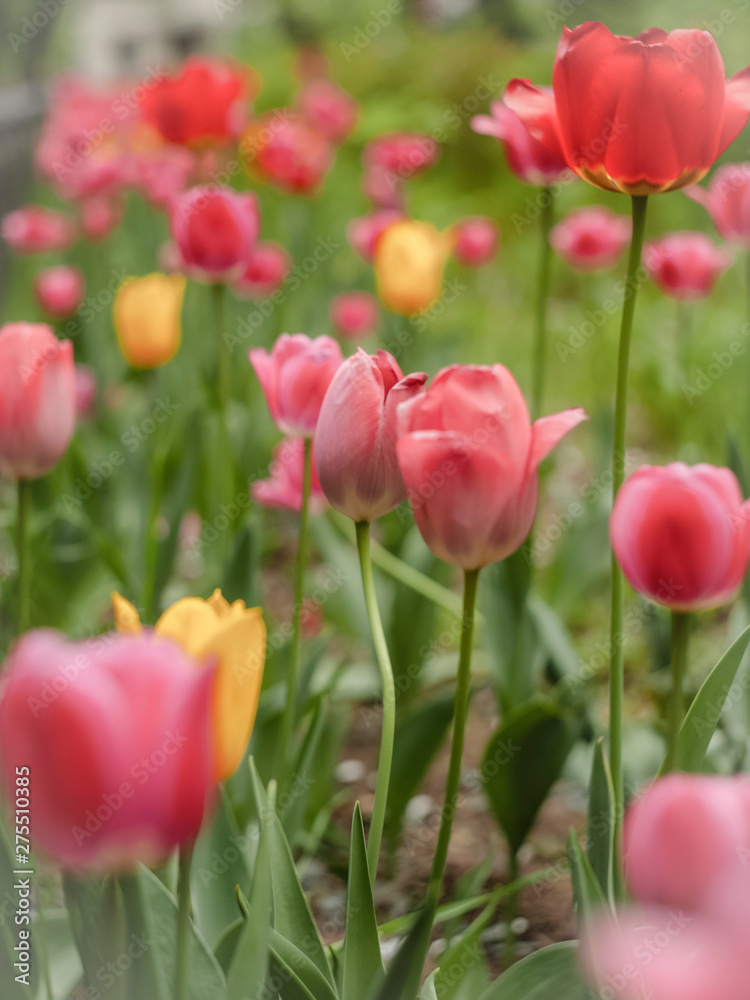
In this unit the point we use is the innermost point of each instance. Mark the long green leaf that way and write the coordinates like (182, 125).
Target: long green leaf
(463, 959)
(587, 892)
(549, 973)
(405, 971)
(299, 972)
(363, 965)
(600, 831)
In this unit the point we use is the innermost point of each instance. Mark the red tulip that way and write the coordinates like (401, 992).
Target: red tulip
(685, 265)
(640, 115)
(728, 202)
(354, 314)
(529, 159)
(295, 377)
(34, 229)
(205, 102)
(356, 435)
(60, 290)
(476, 241)
(283, 489)
(591, 239)
(469, 457)
(682, 534)
(100, 214)
(264, 272)
(328, 109)
(283, 150)
(215, 230)
(363, 233)
(37, 401)
(112, 784)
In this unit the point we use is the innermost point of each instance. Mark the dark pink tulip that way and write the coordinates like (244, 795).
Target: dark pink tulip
(591, 239)
(285, 151)
(531, 161)
(34, 229)
(215, 230)
(354, 314)
(682, 534)
(111, 783)
(685, 265)
(404, 154)
(363, 233)
(283, 489)
(727, 200)
(85, 391)
(356, 435)
(476, 241)
(294, 377)
(268, 266)
(469, 456)
(100, 215)
(37, 401)
(60, 290)
(328, 109)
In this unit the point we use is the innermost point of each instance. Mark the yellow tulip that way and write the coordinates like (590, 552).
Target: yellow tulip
(146, 316)
(215, 630)
(409, 261)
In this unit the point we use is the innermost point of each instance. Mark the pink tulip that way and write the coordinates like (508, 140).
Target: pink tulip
(37, 401)
(727, 200)
(682, 534)
(328, 109)
(283, 489)
(100, 215)
(356, 435)
(682, 835)
(264, 272)
(685, 265)
(530, 160)
(286, 152)
(469, 457)
(476, 241)
(164, 173)
(34, 229)
(60, 290)
(591, 239)
(363, 233)
(85, 391)
(404, 154)
(295, 377)
(354, 314)
(111, 783)
(215, 230)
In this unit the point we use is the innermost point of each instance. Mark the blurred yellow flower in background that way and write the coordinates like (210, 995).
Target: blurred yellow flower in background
(409, 262)
(146, 317)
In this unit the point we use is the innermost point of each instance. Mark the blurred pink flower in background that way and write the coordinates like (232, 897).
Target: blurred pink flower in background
(85, 391)
(60, 290)
(329, 109)
(35, 229)
(100, 215)
(591, 239)
(476, 241)
(161, 174)
(363, 233)
(390, 160)
(285, 151)
(685, 265)
(354, 314)
(265, 271)
(215, 230)
(283, 489)
(727, 200)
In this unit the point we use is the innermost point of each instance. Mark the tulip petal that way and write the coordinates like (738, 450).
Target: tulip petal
(736, 108)
(191, 622)
(548, 431)
(127, 618)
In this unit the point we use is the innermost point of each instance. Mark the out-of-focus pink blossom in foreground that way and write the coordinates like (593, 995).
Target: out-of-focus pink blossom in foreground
(283, 489)
(476, 241)
(215, 230)
(685, 265)
(354, 314)
(591, 239)
(682, 534)
(328, 109)
(470, 455)
(112, 784)
(264, 274)
(60, 290)
(85, 391)
(35, 229)
(363, 233)
(727, 200)
(38, 399)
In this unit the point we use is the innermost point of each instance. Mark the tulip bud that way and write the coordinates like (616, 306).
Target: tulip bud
(264, 273)
(356, 435)
(112, 784)
(294, 378)
(283, 489)
(475, 241)
(409, 262)
(60, 290)
(37, 401)
(215, 230)
(682, 534)
(470, 457)
(34, 229)
(685, 265)
(328, 109)
(590, 239)
(146, 317)
(354, 314)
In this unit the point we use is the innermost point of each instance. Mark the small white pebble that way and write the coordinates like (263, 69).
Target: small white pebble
(519, 926)
(389, 947)
(437, 947)
(419, 809)
(350, 771)
(495, 933)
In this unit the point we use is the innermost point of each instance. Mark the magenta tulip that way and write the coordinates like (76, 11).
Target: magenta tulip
(591, 239)
(685, 265)
(264, 272)
(476, 241)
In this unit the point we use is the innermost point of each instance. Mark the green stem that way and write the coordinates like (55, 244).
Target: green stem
(389, 700)
(511, 910)
(225, 371)
(542, 293)
(617, 678)
(680, 637)
(290, 707)
(183, 924)
(24, 569)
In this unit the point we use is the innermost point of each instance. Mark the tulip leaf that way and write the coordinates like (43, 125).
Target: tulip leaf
(363, 965)
(465, 955)
(227, 944)
(405, 971)
(295, 801)
(600, 833)
(97, 919)
(587, 893)
(428, 990)
(299, 974)
(64, 962)
(522, 761)
(703, 715)
(551, 972)
(292, 918)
